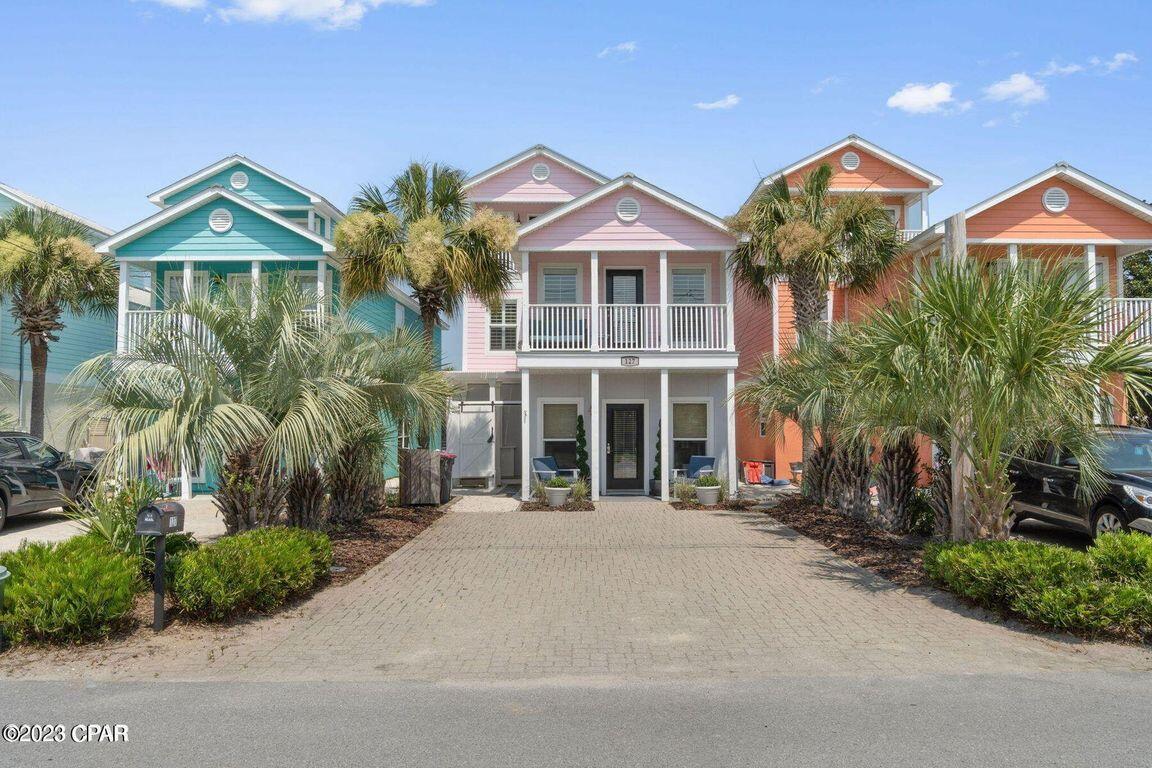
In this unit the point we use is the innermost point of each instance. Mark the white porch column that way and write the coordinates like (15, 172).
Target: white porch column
(185, 470)
(664, 301)
(254, 271)
(122, 310)
(1013, 255)
(775, 318)
(594, 435)
(321, 285)
(923, 210)
(594, 300)
(1090, 265)
(311, 220)
(526, 447)
(523, 313)
(730, 413)
(730, 299)
(189, 274)
(492, 480)
(665, 438)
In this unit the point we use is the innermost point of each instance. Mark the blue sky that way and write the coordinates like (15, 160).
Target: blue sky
(107, 101)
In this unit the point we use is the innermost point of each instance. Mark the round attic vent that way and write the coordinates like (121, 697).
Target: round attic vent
(850, 161)
(239, 180)
(628, 209)
(1055, 200)
(220, 220)
(541, 172)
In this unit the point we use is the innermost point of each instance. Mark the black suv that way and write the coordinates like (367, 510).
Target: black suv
(34, 476)
(1046, 486)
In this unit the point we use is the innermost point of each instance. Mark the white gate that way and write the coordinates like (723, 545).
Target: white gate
(470, 435)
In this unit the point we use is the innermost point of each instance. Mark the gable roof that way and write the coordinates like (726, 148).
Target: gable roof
(853, 140)
(537, 151)
(635, 182)
(162, 217)
(23, 198)
(315, 198)
(1087, 182)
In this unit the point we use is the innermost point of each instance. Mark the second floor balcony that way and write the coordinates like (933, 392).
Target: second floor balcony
(625, 328)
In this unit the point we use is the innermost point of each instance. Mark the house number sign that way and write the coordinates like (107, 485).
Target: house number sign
(629, 361)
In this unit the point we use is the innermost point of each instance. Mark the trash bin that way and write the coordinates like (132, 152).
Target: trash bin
(446, 462)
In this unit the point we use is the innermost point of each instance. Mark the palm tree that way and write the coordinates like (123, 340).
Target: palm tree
(258, 392)
(48, 266)
(424, 232)
(989, 366)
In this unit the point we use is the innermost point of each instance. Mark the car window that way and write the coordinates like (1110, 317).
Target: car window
(1127, 453)
(38, 450)
(10, 450)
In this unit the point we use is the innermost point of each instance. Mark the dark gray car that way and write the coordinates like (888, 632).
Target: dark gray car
(34, 476)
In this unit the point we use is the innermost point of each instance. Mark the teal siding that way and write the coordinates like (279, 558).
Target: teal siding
(83, 338)
(261, 189)
(251, 235)
(377, 311)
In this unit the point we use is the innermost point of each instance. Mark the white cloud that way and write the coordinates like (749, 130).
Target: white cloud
(326, 14)
(619, 51)
(1055, 68)
(1019, 88)
(727, 102)
(1118, 61)
(923, 99)
(826, 83)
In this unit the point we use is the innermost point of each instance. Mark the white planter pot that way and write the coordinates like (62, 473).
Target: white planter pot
(557, 497)
(708, 496)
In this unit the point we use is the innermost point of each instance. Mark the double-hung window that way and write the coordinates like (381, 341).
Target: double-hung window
(559, 430)
(560, 285)
(689, 432)
(502, 327)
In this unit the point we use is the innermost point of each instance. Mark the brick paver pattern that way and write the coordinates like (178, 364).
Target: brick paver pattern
(633, 590)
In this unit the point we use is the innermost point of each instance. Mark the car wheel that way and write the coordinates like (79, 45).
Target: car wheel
(1108, 520)
(3, 512)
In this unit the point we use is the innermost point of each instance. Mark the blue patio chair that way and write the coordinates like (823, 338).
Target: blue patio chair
(697, 466)
(544, 467)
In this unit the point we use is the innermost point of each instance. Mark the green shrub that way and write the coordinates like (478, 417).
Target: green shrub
(581, 491)
(559, 482)
(1124, 557)
(1092, 607)
(684, 491)
(921, 515)
(996, 572)
(79, 589)
(253, 571)
(110, 514)
(707, 481)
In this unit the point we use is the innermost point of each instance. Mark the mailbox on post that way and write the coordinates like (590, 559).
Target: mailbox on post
(157, 521)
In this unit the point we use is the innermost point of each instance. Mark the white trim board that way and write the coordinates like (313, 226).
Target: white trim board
(539, 150)
(157, 220)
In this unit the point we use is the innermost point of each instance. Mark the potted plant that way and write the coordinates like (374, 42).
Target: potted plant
(556, 490)
(708, 490)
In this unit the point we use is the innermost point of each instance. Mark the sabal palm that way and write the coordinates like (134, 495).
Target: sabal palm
(423, 231)
(812, 238)
(216, 376)
(48, 266)
(990, 366)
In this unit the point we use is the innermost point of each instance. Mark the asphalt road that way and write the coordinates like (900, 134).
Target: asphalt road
(1066, 720)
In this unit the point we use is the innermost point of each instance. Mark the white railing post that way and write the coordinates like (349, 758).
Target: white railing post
(664, 324)
(254, 273)
(665, 438)
(526, 447)
(730, 413)
(1090, 265)
(321, 276)
(122, 310)
(525, 302)
(1013, 255)
(594, 433)
(923, 211)
(730, 302)
(594, 321)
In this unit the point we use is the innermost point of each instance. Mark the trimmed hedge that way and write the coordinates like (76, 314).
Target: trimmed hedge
(79, 589)
(253, 571)
(1106, 589)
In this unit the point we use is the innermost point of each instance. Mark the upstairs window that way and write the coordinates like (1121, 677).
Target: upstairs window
(560, 285)
(690, 285)
(502, 328)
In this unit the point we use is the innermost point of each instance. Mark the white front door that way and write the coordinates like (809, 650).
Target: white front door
(477, 431)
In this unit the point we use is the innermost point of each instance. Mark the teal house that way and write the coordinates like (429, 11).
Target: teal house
(82, 338)
(239, 223)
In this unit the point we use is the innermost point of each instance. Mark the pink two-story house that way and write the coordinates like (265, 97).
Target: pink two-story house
(619, 323)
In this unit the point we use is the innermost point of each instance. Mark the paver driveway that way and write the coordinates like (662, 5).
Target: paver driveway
(632, 590)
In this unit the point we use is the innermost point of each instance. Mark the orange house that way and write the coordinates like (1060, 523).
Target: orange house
(1059, 215)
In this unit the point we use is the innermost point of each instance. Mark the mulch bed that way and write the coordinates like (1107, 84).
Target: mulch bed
(897, 558)
(360, 547)
(735, 505)
(572, 506)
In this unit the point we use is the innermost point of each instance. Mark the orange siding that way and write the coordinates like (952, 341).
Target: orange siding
(1087, 216)
(873, 174)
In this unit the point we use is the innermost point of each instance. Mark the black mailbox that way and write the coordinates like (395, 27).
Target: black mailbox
(160, 519)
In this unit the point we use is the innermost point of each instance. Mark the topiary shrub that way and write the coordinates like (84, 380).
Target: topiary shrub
(254, 571)
(76, 590)
(1123, 557)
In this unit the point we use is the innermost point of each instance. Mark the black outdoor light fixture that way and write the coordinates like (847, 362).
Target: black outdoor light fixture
(157, 521)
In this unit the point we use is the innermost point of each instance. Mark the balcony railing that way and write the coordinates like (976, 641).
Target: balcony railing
(908, 234)
(1120, 313)
(625, 327)
(138, 323)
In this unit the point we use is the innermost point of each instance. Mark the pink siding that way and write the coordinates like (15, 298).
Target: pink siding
(516, 184)
(595, 227)
(647, 261)
(1023, 215)
(522, 213)
(476, 354)
(873, 174)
